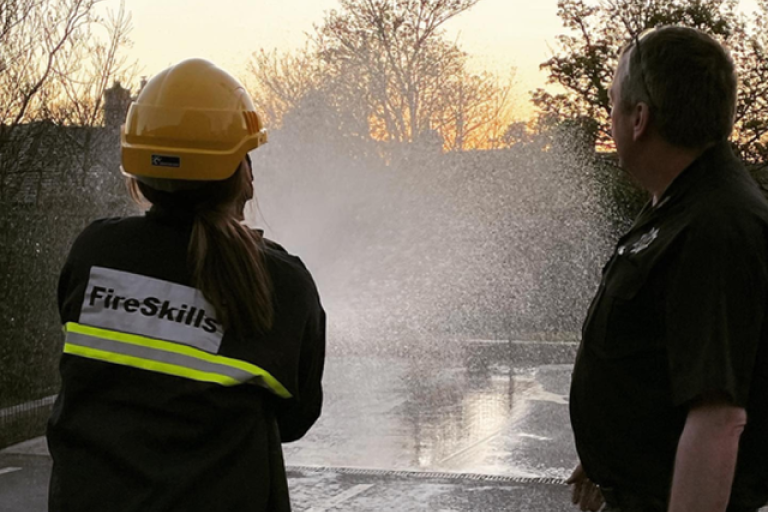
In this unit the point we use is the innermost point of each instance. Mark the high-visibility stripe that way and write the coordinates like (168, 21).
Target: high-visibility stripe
(147, 364)
(149, 358)
(164, 357)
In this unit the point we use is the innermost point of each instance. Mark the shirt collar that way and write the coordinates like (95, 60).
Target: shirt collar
(710, 161)
(177, 213)
(704, 168)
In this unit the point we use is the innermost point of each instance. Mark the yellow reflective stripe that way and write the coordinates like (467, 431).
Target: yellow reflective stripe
(143, 341)
(148, 364)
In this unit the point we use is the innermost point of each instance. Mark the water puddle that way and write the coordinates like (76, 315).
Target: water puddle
(429, 415)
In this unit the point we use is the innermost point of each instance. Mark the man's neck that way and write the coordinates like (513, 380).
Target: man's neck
(662, 163)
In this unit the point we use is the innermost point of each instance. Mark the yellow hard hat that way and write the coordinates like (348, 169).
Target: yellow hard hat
(193, 121)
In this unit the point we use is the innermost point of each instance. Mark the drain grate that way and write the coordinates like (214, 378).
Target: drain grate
(426, 475)
(34, 405)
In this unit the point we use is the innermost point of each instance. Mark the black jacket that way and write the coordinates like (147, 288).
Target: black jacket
(158, 410)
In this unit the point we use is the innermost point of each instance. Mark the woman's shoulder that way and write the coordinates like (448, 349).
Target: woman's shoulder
(111, 223)
(277, 255)
(111, 235)
(104, 227)
(286, 267)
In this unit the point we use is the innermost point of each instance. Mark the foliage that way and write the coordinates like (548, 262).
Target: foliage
(586, 57)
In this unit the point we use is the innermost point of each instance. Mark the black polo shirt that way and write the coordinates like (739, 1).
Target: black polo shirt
(681, 311)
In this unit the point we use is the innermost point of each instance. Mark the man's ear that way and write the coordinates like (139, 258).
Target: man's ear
(641, 120)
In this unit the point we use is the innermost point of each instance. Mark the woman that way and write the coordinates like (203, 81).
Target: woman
(194, 347)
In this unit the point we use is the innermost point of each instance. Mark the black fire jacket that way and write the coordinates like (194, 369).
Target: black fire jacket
(160, 409)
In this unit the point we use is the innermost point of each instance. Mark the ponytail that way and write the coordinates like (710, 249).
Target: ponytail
(228, 268)
(225, 257)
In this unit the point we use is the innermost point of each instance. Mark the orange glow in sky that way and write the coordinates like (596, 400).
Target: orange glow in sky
(497, 34)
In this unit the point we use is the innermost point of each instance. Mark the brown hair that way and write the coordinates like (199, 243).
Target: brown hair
(689, 81)
(225, 257)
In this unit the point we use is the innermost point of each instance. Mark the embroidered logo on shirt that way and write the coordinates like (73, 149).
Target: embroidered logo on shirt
(644, 241)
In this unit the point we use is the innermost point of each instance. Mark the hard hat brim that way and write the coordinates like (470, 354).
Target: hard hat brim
(193, 164)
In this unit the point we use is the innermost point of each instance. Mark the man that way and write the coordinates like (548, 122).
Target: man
(669, 396)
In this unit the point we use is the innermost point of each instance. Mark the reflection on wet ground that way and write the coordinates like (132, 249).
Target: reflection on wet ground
(485, 414)
(484, 431)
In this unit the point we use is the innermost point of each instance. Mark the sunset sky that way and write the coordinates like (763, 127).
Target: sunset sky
(498, 34)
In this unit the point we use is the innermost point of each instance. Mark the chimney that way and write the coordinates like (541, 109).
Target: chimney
(117, 99)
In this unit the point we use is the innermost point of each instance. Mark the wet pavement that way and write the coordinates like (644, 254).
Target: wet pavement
(486, 431)
(429, 415)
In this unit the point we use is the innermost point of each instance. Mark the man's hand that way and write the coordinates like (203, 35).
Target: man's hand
(586, 493)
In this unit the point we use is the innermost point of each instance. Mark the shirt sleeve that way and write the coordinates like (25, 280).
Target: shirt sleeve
(714, 312)
(295, 416)
(62, 289)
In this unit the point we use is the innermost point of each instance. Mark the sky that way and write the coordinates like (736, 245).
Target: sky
(499, 35)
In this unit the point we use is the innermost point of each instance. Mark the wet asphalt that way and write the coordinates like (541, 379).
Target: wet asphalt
(488, 432)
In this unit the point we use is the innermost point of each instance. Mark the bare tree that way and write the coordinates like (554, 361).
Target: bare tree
(474, 110)
(75, 96)
(57, 166)
(58, 59)
(297, 91)
(386, 69)
(35, 34)
(76, 91)
(396, 60)
(279, 81)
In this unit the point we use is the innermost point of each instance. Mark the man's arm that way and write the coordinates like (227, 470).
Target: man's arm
(706, 456)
